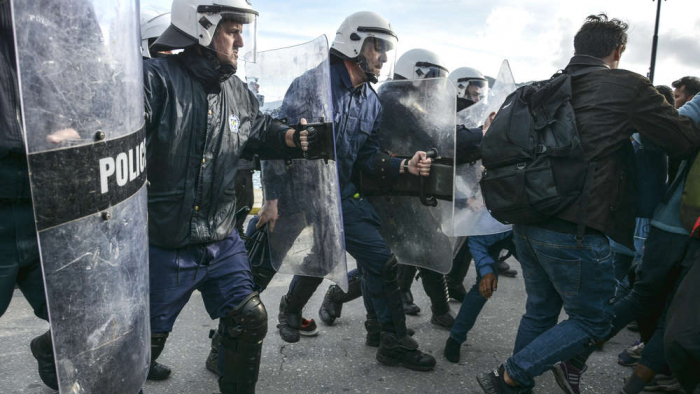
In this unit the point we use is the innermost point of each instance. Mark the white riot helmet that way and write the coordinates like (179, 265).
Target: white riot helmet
(195, 22)
(419, 64)
(153, 24)
(366, 38)
(471, 84)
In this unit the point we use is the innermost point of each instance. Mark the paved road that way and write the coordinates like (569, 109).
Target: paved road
(336, 361)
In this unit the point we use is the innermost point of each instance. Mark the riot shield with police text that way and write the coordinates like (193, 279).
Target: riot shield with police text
(418, 115)
(80, 78)
(471, 216)
(293, 83)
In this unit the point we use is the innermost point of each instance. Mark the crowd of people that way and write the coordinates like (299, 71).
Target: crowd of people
(622, 253)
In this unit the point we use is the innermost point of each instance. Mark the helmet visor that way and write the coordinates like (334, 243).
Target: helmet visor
(429, 70)
(231, 32)
(379, 55)
(472, 89)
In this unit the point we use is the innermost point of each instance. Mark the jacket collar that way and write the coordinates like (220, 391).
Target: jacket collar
(579, 62)
(345, 80)
(203, 69)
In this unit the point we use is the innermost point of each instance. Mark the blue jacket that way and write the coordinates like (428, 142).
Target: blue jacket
(486, 249)
(667, 214)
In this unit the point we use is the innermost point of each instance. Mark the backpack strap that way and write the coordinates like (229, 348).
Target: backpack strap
(583, 208)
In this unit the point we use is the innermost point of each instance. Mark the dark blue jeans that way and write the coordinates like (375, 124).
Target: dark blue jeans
(219, 270)
(471, 308)
(559, 273)
(19, 257)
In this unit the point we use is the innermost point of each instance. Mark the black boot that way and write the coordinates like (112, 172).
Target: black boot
(242, 333)
(289, 323)
(335, 297)
(436, 289)
(374, 330)
(406, 275)
(505, 270)
(300, 291)
(452, 350)
(212, 362)
(403, 351)
(42, 350)
(455, 278)
(158, 371)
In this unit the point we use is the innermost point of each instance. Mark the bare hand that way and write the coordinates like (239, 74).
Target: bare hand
(419, 165)
(488, 121)
(62, 135)
(268, 214)
(487, 285)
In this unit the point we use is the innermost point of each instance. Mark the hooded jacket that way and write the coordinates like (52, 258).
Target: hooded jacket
(198, 125)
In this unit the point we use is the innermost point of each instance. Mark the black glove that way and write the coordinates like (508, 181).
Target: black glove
(312, 138)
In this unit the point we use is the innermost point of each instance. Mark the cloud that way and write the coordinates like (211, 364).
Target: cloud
(535, 35)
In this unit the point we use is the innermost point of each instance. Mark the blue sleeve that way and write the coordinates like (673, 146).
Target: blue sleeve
(691, 109)
(479, 248)
(368, 152)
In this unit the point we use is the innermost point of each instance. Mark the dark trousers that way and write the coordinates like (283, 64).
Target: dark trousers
(655, 278)
(19, 257)
(219, 270)
(682, 337)
(366, 245)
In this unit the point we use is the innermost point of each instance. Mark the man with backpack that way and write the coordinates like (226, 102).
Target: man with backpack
(560, 167)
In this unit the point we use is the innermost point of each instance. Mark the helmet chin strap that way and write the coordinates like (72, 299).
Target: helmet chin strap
(364, 66)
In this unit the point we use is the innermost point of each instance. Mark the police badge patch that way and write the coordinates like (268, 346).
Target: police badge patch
(233, 123)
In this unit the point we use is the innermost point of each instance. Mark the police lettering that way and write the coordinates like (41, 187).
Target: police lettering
(126, 167)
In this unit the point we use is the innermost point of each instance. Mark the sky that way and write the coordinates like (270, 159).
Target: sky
(536, 36)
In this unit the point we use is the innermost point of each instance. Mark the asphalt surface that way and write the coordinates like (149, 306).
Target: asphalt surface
(335, 361)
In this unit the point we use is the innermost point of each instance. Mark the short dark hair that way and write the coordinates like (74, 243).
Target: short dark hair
(692, 85)
(667, 93)
(598, 37)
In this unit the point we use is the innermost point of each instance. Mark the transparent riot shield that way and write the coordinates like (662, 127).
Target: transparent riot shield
(417, 115)
(471, 216)
(79, 71)
(307, 238)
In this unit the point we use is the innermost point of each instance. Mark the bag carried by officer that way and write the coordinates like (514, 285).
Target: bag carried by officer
(532, 154)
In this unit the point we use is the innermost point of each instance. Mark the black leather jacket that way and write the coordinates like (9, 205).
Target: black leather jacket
(611, 105)
(199, 123)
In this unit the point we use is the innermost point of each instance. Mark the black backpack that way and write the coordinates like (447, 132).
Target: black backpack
(534, 166)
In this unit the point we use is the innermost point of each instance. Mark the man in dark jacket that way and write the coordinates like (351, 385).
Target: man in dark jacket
(577, 274)
(200, 121)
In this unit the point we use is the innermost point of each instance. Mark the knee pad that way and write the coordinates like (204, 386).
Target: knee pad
(247, 321)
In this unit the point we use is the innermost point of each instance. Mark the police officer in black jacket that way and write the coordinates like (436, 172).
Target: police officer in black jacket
(200, 121)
